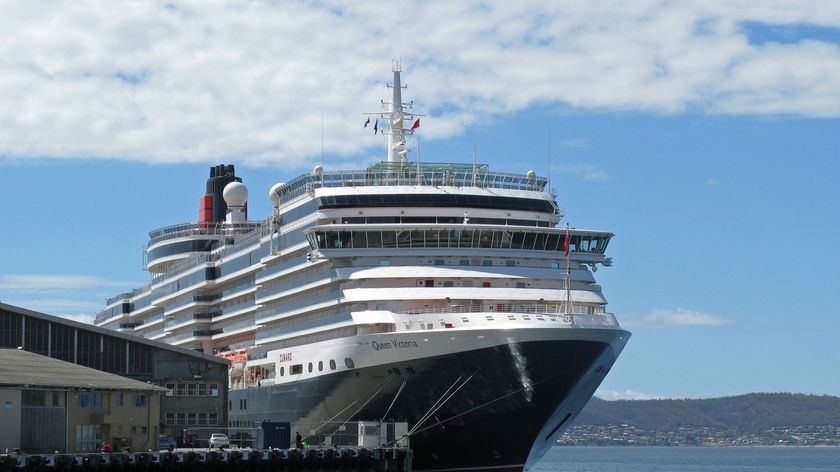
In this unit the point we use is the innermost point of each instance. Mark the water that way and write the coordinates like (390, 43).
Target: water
(690, 459)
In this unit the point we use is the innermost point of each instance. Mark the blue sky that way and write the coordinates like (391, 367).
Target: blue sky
(705, 136)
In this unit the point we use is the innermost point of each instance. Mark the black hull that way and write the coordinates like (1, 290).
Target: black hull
(512, 401)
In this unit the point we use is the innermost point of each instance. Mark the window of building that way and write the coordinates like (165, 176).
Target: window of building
(89, 400)
(138, 400)
(88, 437)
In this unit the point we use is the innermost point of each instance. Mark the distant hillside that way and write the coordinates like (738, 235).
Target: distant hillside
(754, 412)
(756, 418)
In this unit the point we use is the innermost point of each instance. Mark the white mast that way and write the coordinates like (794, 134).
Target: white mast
(396, 135)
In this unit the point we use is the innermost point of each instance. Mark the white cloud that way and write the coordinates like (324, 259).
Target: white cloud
(203, 81)
(623, 395)
(669, 318)
(67, 296)
(53, 282)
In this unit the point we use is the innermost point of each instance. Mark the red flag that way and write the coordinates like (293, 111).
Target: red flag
(415, 125)
(566, 243)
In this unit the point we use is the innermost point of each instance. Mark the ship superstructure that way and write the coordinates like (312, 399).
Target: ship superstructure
(446, 296)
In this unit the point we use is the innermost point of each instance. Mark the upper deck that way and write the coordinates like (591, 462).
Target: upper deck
(417, 174)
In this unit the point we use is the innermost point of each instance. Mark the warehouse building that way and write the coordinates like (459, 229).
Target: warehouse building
(195, 391)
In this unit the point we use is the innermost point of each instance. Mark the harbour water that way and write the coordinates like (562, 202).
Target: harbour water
(689, 459)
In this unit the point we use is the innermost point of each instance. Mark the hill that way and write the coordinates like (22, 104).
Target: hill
(756, 418)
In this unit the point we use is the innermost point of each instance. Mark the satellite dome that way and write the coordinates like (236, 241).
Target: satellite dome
(277, 191)
(235, 194)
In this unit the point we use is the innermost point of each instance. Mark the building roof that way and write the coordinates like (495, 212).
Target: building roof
(113, 333)
(19, 368)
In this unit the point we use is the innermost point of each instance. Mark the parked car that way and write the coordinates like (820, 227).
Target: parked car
(219, 440)
(167, 442)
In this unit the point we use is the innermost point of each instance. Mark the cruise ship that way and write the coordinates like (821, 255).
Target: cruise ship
(444, 299)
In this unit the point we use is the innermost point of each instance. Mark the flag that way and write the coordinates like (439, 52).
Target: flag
(367, 122)
(415, 125)
(376, 126)
(566, 243)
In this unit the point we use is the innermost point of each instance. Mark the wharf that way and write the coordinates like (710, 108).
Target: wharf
(197, 460)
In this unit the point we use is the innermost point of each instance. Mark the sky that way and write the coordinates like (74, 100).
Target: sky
(705, 135)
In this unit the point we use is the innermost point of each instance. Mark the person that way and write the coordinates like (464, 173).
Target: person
(106, 447)
(298, 441)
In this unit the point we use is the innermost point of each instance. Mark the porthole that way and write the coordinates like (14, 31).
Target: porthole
(320, 366)
(349, 363)
(332, 364)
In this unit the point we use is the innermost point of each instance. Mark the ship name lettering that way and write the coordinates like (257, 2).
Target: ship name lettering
(395, 344)
(286, 357)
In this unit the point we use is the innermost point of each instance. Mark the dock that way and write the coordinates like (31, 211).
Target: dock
(349, 459)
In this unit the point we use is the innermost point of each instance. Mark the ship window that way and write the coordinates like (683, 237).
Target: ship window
(384, 262)
(320, 366)
(309, 367)
(520, 284)
(486, 262)
(382, 306)
(332, 364)
(485, 284)
(510, 263)
(374, 239)
(438, 261)
(555, 265)
(464, 262)
(349, 363)
(296, 369)
(448, 283)
(282, 371)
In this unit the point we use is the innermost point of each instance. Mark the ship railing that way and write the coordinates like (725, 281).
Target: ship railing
(581, 315)
(521, 308)
(219, 229)
(415, 174)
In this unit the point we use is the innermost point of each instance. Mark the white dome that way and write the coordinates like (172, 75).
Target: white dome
(235, 194)
(276, 192)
